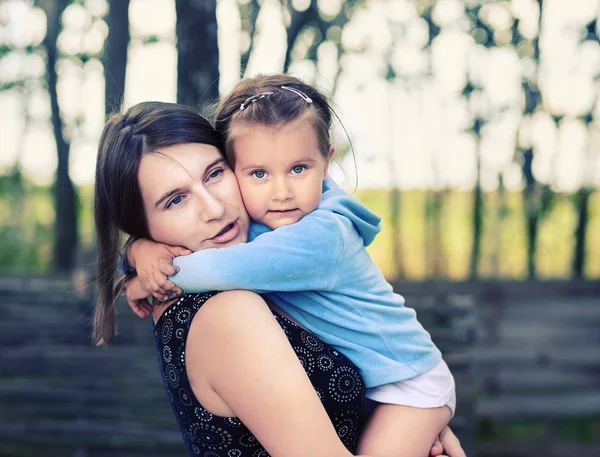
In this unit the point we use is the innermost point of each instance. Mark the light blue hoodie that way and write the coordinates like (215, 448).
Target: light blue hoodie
(319, 272)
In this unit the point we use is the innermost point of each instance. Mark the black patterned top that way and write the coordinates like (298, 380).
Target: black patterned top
(334, 377)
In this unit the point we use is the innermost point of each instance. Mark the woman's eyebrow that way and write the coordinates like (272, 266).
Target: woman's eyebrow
(178, 190)
(168, 194)
(213, 163)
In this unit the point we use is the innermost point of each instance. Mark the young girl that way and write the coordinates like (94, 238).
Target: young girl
(307, 251)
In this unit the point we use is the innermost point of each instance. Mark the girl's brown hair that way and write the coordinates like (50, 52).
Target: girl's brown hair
(282, 106)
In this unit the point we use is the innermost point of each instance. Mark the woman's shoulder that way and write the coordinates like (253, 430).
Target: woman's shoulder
(215, 307)
(229, 310)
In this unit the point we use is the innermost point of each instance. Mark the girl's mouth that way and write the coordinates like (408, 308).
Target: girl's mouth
(283, 211)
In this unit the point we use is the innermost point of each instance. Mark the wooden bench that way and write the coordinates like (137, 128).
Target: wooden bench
(520, 352)
(534, 366)
(60, 396)
(538, 361)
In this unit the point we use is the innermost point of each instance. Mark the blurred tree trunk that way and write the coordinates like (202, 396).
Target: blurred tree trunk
(439, 259)
(298, 20)
(395, 197)
(197, 53)
(65, 227)
(481, 116)
(477, 224)
(115, 54)
(477, 204)
(435, 197)
(532, 208)
(434, 258)
(583, 195)
(532, 193)
(498, 226)
(311, 17)
(250, 11)
(582, 198)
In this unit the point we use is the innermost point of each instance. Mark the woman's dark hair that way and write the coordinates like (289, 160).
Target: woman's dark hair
(276, 104)
(118, 207)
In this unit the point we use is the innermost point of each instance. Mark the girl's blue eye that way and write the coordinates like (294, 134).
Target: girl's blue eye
(260, 174)
(298, 169)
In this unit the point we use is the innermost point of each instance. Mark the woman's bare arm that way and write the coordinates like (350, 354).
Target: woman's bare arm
(238, 349)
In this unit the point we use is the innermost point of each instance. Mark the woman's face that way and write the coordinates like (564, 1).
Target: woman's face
(191, 198)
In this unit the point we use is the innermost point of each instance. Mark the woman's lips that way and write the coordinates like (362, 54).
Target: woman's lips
(227, 234)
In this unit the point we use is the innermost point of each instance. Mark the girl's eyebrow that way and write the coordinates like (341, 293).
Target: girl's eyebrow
(252, 167)
(307, 160)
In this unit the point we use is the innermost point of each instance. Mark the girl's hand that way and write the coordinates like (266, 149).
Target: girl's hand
(137, 297)
(447, 445)
(154, 263)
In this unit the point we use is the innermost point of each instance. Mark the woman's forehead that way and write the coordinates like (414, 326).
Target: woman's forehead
(192, 153)
(173, 166)
(189, 156)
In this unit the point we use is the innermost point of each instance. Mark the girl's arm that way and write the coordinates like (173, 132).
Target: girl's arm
(238, 350)
(137, 297)
(152, 262)
(302, 256)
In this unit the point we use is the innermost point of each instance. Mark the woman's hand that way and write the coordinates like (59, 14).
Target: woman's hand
(137, 297)
(154, 263)
(447, 445)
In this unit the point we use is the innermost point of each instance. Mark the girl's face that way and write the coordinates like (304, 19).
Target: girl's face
(191, 198)
(280, 172)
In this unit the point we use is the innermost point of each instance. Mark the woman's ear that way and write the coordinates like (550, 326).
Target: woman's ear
(329, 157)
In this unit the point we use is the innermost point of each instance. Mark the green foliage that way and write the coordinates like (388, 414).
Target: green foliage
(575, 430)
(591, 32)
(503, 235)
(26, 237)
(26, 240)
(5, 49)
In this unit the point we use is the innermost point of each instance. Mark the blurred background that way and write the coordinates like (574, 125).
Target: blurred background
(471, 126)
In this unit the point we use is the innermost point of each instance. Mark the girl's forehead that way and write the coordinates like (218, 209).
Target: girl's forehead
(302, 126)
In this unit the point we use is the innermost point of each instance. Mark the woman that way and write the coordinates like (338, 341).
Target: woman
(235, 376)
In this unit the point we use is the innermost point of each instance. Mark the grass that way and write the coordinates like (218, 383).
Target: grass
(426, 248)
(503, 243)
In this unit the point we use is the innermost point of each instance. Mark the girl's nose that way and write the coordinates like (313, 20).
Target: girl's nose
(282, 191)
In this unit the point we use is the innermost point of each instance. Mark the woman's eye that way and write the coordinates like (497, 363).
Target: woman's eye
(216, 173)
(260, 174)
(175, 201)
(298, 169)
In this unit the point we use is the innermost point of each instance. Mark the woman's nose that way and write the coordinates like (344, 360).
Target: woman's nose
(211, 208)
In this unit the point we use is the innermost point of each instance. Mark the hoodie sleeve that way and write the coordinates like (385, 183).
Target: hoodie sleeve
(302, 256)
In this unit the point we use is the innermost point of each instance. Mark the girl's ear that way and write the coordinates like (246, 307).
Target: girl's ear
(328, 160)
(331, 152)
